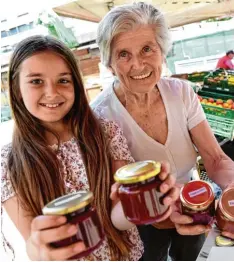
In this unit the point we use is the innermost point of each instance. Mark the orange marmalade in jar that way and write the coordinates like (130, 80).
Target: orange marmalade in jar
(139, 192)
(225, 211)
(198, 201)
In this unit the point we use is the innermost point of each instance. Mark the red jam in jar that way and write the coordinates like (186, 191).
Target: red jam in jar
(198, 201)
(139, 192)
(78, 210)
(225, 211)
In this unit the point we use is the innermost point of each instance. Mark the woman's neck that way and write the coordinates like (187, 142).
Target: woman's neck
(139, 100)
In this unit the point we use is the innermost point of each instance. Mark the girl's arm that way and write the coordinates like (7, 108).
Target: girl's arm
(38, 232)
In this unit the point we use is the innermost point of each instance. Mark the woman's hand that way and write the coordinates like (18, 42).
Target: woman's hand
(227, 234)
(183, 223)
(48, 229)
(168, 188)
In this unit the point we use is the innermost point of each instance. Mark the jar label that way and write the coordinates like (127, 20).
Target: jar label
(197, 192)
(231, 203)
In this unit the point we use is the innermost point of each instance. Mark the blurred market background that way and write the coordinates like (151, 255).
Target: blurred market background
(202, 31)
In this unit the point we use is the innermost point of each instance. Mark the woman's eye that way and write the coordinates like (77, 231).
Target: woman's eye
(146, 49)
(63, 81)
(123, 54)
(36, 81)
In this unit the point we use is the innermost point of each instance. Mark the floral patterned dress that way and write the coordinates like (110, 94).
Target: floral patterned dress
(75, 179)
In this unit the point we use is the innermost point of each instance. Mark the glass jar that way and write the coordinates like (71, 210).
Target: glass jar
(198, 201)
(139, 192)
(78, 210)
(225, 211)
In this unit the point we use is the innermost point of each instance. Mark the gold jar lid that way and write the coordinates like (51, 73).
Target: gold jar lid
(226, 203)
(68, 203)
(137, 172)
(197, 195)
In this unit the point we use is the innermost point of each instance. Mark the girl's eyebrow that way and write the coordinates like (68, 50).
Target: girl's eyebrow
(39, 74)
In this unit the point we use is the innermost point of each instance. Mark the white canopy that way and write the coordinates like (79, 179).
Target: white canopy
(178, 12)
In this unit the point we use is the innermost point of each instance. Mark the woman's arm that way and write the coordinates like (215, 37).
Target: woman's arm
(219, 167)
(39, 232)
(167, 187)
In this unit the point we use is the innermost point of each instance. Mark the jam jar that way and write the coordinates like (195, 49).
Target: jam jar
(139, 192)
(78, 210)
(198, 201)
(225, 211)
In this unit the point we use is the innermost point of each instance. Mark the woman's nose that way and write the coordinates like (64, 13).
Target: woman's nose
(137, 62)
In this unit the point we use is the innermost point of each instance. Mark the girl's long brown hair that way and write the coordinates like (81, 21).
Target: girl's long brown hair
(33, 166)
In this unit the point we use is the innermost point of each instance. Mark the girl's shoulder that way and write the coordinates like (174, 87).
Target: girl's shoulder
(5, 150)
(110, 127)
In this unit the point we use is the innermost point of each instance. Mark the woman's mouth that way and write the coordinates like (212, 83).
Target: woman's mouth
(141, 77)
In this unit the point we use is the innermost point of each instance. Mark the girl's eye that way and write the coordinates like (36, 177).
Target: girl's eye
(64, 81)
(36, 81)
(123, 54)
(146, 49)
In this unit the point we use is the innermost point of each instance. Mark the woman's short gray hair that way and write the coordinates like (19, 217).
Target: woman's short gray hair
(124, 18)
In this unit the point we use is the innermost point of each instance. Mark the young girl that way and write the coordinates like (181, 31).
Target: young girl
(59, 147)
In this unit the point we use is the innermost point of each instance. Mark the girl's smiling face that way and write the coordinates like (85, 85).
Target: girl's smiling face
(46, 87)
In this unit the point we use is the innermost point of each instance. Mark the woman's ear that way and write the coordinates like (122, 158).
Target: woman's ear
(112, 70)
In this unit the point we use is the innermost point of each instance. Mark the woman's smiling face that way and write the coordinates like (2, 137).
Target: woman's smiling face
(136, 59)
(46, 87)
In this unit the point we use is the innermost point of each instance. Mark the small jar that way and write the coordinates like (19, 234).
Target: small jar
(225, 211)
(198, 201)
(139, 192)
(78, 210)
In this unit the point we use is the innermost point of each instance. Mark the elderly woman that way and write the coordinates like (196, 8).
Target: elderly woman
(161, 117)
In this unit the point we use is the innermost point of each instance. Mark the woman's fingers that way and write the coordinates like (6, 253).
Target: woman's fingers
(228, 234)
(165, 170)
(44, 237)
(192, 230)
(184, 227)
(48, 253)
(44, 222)
(178, 218)
(171, 196)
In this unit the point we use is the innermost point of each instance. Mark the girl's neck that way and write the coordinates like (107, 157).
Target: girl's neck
(63, 130)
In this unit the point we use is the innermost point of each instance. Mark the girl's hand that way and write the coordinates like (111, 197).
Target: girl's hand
(114, 192)
(48, 229)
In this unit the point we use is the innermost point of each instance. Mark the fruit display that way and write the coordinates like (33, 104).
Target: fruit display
(197, 76)
(228, 104)
(220, 79)
(219, 110)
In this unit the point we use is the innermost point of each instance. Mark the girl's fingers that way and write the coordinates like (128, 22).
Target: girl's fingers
(58, 254)
(48, 236)
(44, 222)
(114, 191)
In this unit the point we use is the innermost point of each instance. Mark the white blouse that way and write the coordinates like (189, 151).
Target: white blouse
(183, 111)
